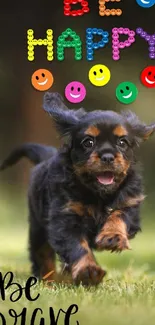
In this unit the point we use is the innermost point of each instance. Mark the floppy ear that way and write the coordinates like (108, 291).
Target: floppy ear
(140, 130)
(149, 130)
(64, 118)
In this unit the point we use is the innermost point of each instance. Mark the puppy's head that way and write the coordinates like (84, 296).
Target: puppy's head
(101, 143)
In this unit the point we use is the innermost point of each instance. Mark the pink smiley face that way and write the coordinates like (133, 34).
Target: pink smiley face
(75, 92)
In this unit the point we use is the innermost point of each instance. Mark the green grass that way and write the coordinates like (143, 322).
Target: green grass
(126, 296)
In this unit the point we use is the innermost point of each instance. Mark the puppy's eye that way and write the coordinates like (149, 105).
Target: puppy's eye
(88, 143)
(122, 143)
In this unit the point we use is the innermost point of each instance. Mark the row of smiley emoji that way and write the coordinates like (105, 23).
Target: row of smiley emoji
(42, 79)
(99, 75)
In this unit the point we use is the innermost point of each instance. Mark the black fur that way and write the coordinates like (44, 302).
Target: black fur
(73, 176)
(36, 153)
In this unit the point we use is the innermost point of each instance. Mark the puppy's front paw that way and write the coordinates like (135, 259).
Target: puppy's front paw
(87, 273)
(112, 241)
(113, 236)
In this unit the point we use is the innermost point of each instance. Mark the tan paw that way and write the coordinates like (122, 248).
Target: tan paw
(113, 242)
(89, 275)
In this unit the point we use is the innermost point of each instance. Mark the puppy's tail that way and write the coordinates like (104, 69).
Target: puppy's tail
(36, 153)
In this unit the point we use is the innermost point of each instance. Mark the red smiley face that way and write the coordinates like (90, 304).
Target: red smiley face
(148, 77)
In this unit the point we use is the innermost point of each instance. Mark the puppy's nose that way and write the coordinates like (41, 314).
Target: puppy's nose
(107, 158)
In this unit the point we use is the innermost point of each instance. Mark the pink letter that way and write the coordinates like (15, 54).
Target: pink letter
(117, 45)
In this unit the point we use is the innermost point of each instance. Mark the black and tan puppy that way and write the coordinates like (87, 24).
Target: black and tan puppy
(87, 195)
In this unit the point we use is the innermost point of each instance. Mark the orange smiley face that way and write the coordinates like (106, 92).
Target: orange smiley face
(42, 79)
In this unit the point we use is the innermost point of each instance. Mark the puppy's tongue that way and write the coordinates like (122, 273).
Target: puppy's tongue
(106, 178)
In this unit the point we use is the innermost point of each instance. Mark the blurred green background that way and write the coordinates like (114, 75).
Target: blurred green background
(130, 280)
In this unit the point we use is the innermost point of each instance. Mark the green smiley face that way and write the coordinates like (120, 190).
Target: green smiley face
(126, 92)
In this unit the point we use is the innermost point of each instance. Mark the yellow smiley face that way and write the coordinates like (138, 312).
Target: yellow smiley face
(99, 75)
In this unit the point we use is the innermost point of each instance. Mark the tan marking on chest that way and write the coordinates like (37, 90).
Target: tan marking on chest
(79, 208)
(132, 201)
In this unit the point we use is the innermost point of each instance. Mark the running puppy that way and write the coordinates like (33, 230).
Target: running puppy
(88, 194)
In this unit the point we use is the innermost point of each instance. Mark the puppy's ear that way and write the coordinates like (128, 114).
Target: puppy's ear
(140, 130)
(149, 130)
(64, 118)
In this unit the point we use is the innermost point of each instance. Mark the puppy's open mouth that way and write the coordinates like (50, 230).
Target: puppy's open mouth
(106, 178)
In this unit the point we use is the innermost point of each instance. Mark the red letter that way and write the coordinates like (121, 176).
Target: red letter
(67, 8)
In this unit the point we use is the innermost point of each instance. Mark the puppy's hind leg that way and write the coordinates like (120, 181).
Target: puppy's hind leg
(42, 255)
